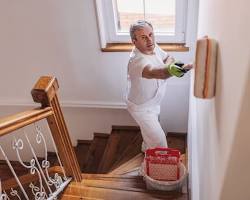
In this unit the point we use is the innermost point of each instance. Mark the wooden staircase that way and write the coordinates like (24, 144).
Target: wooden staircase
(110, 164)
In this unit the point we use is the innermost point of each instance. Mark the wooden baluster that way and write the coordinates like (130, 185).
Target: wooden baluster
(45, 92)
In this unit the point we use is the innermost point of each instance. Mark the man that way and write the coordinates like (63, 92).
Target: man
(148, 68)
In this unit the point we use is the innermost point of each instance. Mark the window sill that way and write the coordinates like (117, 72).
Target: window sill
(127, 47)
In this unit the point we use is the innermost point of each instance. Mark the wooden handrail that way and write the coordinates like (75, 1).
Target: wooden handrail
(45, 92)
(14, 122)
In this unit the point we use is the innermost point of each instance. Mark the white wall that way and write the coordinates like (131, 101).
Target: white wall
(219, 127)
(60, 38)
(81, 123)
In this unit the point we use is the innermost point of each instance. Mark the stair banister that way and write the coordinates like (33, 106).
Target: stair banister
(45, 92)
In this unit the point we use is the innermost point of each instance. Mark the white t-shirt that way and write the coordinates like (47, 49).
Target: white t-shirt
(141, 90)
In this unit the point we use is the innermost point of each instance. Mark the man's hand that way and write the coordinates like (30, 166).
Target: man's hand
(168, 60)
(175, 69)
(187, 67)
(178, 69)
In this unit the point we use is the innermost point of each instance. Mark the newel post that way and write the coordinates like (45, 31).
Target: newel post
(45, 92)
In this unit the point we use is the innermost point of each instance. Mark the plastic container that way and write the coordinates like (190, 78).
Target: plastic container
(162, 164)
(153, 184)
(162, 169)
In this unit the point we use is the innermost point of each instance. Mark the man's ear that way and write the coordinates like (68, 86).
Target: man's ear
(133, 41)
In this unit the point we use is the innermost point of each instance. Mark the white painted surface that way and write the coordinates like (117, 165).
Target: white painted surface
(220, 126)
(81, 123)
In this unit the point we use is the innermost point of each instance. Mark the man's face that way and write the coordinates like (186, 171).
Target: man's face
(144, 40)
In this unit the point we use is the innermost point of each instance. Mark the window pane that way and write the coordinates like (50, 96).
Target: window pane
(128, 12)
(161, 13)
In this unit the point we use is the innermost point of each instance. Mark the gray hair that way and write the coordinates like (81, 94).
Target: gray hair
(138, 25)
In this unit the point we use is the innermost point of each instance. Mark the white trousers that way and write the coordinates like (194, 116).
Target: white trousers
(152, 133)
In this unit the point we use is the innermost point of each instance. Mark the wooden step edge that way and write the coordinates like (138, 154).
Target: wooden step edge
(102, 135)
(77, 197)
(76, 188)
(14, 163)
(109, 176)
(84, 142)
(128, 169)
(126, 172)
(177, 134)
(116, 127)
(51, 153)
(113, 185)
(137, 159)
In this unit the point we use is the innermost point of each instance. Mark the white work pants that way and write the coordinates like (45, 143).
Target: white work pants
(152, 133)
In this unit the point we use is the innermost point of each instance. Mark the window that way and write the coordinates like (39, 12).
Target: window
(168, 18)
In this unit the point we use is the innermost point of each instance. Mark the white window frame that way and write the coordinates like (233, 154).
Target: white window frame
(107, 25)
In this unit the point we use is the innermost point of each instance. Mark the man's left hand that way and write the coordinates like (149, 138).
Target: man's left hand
(168, 60)
(187, 67)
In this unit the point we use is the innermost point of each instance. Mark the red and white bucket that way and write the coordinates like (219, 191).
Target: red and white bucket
(163, 170)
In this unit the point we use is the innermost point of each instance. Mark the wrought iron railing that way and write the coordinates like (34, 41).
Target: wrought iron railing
(42, 181)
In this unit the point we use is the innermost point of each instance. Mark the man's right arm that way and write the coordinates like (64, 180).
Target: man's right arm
(164, 72)
(155, 73)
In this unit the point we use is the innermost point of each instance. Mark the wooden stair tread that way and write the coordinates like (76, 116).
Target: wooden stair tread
(134, 128)
(121, 153)
(177, 141)
(117, 142)
(104, 135)
(75, 197)
(96, 151)
(135, 162)
(79, 142)
(52, 158)
(109, 153)
(129, 185)
(82, 152)
(5, 172)
(131, 172)
(108, 177)
(131, 151)
(117, 191)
